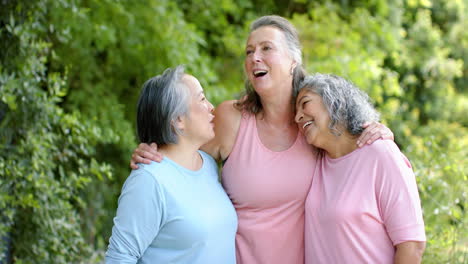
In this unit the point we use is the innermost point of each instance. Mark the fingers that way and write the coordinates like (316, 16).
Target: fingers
(153, 148)
(373, 137)
(148, 151)
(133, 165)
(139, 159)
(385, 132)
(366, 134)
(373, 132)
(146, 155)
(388, 134)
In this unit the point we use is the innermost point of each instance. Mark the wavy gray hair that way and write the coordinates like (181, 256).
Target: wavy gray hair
(346, 104)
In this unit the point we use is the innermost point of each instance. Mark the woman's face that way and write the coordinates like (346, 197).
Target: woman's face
(268, 63)
(198, 124)
(312, 118)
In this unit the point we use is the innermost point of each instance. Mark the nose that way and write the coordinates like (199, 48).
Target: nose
(256, 56)
(210, 107)
(298, 116)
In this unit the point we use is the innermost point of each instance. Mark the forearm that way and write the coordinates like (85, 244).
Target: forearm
(409, 252)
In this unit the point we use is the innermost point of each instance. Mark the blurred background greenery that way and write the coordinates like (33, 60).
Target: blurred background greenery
(71, 72)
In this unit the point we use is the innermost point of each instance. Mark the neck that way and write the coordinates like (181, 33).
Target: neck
(339, 146)
(186, 155)
(278, 110)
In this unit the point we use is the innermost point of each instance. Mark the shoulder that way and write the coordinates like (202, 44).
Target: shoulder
(141, 188)
(388, 155)
(155, 172)
(227, 121)
(141, 184)
(228, 112)
(150, 169)
(141, 176)
(382, 147)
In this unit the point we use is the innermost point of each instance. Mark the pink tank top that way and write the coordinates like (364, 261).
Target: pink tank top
(268, 190)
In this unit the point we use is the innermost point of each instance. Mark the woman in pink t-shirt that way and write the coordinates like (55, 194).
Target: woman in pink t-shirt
(268, 165)
(363, 205)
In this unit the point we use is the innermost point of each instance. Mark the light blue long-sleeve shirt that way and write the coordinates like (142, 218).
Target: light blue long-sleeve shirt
(169, 214)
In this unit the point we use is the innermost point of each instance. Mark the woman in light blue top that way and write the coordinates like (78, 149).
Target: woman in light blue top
(175, 211)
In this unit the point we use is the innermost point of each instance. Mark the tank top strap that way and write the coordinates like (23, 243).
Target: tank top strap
(245, 135)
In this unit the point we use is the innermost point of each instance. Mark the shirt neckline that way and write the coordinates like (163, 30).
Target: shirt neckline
(185, 170)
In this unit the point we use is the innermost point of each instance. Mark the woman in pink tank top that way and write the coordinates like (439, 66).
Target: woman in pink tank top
(268, 166)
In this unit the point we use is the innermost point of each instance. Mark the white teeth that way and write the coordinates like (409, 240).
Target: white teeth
(307, 123)
(259, 72)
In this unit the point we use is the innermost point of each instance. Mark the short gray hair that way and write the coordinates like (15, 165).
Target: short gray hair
(163, 99)
(346, 104)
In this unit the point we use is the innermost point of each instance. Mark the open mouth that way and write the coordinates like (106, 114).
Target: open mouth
(306, 124)
(259, 73)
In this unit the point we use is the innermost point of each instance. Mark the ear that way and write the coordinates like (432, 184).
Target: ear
(179, 123)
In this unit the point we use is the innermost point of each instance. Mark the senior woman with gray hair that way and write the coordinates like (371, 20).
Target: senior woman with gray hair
(175, 211)
(363, 205)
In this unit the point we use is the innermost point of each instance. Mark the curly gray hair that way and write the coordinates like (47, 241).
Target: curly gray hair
(346, 104)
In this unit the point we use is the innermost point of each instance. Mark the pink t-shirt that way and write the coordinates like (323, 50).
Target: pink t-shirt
(268, 190)
(361, 205)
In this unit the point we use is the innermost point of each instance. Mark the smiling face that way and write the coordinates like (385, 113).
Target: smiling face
(268, 63)
(313, 119)
(198, 125)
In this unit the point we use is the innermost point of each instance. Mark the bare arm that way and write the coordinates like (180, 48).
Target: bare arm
(374, 131)
(409, 252)
(227, 122)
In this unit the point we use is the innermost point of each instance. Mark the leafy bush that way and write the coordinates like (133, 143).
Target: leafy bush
(46, 155)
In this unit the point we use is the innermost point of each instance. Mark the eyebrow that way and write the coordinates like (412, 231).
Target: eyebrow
(261, 43)
(300, 100)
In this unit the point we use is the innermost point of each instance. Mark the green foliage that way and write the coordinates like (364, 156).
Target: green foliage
(46, 154)
(437, 155)
(71, 71)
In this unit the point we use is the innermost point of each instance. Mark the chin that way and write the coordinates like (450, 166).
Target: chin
(310, 141)
(262, 87)
(210, 137)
